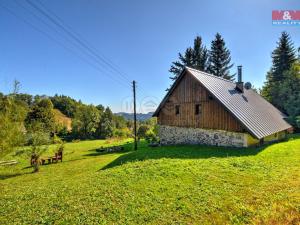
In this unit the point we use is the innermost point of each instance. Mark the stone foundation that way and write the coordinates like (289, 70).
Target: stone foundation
(170, 135)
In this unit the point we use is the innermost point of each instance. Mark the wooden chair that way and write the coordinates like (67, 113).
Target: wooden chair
(33, 159)
(58, 156)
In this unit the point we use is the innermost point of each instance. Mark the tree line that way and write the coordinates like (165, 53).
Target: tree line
(30, 120)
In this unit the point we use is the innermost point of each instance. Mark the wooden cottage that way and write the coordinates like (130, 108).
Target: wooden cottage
(201, 108)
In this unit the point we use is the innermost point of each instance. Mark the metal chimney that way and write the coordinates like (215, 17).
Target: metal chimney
(239, 73)
(240, 83)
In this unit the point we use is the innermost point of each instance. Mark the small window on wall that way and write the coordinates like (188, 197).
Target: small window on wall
(197, 109)
(177, 109)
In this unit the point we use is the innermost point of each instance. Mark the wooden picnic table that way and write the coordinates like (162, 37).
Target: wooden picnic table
(49, 159)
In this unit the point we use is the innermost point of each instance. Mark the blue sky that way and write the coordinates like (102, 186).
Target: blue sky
(141, 38)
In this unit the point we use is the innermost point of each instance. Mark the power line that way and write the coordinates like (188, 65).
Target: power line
(107, 61)
(75, 37)
(67, 38)
(58, 42)
(117, 68)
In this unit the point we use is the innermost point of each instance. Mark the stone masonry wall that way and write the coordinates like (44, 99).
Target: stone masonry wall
(171, 135)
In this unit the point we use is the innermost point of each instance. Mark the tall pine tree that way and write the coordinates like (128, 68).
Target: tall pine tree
(184, 60)
(283, 57)
(219, 59)
(195, 57)
(200, 55)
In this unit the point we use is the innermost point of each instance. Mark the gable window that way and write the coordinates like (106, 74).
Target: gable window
(177, 109)
(197, 109)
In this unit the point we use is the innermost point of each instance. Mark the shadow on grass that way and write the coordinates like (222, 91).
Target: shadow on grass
(7, 176)
(54, 163)
(95, 152)
(188, 152)
(183, 152)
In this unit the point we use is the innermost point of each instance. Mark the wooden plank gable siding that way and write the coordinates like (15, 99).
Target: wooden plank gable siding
(188, 93)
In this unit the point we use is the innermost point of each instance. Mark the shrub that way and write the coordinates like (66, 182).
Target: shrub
(39, 144)
(61, 147)
(57, 140)
(151, 137)
(141, 133)
(124, 132)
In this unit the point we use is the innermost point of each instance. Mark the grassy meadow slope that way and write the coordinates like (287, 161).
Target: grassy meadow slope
(164, 185)
(62, 119)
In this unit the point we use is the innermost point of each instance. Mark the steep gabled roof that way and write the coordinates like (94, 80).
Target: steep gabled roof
(256, 114)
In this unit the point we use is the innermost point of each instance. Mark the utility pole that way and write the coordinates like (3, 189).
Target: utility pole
(134, 115)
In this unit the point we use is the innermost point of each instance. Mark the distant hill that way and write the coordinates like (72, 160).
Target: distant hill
(139, 116)
(63, 119)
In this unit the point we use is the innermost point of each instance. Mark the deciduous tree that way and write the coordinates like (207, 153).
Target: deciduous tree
(41, 113)
(12, 115)
(85, 122)
(289, 92)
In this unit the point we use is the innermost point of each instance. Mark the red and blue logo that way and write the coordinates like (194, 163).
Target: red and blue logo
(286, 17)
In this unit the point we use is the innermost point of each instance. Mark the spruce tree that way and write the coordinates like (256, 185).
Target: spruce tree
(219, 59)
(184, 60)
(195, 57)
(283, 57)
(200, 55)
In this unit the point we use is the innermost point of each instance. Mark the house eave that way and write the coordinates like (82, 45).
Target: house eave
(155, 114)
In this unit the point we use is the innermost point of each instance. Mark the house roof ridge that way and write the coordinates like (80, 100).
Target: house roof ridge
(209, 74)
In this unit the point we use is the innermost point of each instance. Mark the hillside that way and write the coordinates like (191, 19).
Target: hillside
(139, 116)
(62, 119)
(163, 185)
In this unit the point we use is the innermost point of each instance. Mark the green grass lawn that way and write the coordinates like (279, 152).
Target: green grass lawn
(163, 185)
